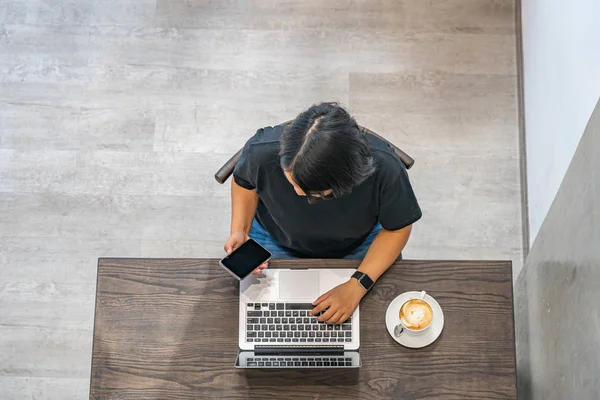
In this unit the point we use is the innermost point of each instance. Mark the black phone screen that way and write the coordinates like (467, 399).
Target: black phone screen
(246, 258)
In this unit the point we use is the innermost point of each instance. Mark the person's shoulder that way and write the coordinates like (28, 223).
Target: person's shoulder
(384, 153)
(266, 136)
(377, 143)
(388, 164)
(265, 142)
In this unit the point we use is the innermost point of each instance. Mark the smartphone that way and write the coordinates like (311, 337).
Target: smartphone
(245, 259)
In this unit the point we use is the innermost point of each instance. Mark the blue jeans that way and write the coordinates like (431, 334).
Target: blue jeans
(258, 233)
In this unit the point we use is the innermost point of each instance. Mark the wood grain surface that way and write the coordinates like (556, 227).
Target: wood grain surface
(167, 329)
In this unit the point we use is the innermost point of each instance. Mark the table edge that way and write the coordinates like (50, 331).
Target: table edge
(94, 328)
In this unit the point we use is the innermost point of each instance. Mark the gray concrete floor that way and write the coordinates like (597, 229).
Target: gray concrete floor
(114, 115)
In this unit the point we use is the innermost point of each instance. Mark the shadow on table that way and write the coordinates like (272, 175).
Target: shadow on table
(308, 377)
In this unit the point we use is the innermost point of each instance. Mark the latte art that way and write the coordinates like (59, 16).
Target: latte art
(416, 314)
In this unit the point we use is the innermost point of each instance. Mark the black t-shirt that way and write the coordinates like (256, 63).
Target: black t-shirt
(327, 228)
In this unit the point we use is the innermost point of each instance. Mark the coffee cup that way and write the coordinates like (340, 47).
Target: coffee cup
(415, 315)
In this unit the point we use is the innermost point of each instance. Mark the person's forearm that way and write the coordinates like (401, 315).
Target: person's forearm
(384, 251)
(243, 207)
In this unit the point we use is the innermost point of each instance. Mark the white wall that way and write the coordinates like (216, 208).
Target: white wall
(561, 59)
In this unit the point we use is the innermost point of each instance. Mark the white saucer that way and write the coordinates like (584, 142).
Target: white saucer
(414, 340)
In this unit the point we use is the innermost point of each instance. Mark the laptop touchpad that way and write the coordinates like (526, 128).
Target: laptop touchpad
(299, 285)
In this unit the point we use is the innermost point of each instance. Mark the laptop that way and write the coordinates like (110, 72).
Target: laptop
(276, 330)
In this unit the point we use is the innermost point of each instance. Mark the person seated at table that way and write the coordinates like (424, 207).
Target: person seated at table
(320, 188)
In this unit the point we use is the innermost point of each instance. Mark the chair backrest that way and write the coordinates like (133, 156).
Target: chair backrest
(227, 169)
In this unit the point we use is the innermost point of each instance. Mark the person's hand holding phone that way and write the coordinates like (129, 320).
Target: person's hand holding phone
(236, 240)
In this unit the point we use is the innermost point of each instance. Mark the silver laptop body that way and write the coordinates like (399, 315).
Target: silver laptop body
(275, 330)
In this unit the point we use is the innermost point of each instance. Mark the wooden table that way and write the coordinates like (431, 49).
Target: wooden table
(168, 329)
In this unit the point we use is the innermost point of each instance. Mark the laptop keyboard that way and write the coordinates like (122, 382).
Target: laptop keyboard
(290, 323)
(276, 361)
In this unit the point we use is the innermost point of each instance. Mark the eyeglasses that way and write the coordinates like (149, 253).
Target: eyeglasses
(315, 197)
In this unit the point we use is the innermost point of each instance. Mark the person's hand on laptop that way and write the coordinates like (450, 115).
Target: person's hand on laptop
(236, 239)
(340, 302)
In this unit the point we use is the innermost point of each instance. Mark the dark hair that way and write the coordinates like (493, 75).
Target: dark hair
(323, 149)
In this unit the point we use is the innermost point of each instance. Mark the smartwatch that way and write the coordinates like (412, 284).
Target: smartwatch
(364, 280)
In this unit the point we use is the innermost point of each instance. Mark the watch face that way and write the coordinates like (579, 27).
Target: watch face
(366, 282)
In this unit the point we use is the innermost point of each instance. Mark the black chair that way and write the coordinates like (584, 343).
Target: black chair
(227, 169)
